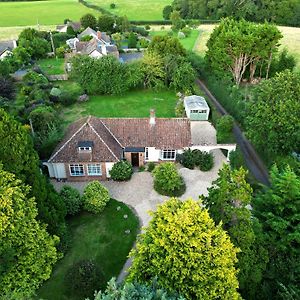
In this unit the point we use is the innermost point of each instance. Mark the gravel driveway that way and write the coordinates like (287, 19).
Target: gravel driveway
(139, 193)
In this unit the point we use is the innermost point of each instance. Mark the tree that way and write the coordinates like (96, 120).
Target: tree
(166, 45)
(95, 197)
(72, 199)
(106, 23)
(228, 204)
(19, 157)
(117, 38)
(167, 12)
(88, 20)
(132, 40)
(135, 291)
(27, 252)
(7, 87)
(278, 209)
(70, 31)
(187, 252)
(177, 22)
(224, 129)
(273, 115)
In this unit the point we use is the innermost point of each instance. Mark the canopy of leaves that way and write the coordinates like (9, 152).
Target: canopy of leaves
(273, 115)
(27, 252)
(187, 252)
(72, 199)
(88, 20)
(121, 171)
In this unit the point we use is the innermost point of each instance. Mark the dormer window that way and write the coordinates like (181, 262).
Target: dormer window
(85, 146)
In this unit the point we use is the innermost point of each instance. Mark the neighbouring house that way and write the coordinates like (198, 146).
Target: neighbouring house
(72, 43)
(6, 48)
(92, 145)
(102, 37)
(63, 28)
(96, 49)
(196, 108)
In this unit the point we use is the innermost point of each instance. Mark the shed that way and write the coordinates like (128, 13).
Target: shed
(196, 108)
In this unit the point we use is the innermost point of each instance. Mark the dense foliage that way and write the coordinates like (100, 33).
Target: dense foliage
(278, 209)
(72, 199)
(135, 290)
(121, 171)
(187, 252)
(224, 129)
(228, 202)
(27, 252)
(196, 158)
(88, 20)
(167, 180)
(95, 197)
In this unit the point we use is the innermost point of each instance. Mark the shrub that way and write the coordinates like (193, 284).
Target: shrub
(121, 171)
(188, 159)
(83, 278)
(70, 30)
(95, 197)
(207, 162)
(147, 27)
(186, 30)
(179, 109)
(86, 38)
(60, 52)
(112, 5)
(72, 199)
(150, 166)
(167, 180)
(132, 40)
(224, 129)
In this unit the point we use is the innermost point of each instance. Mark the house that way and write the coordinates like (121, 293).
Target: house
(92, 145)
(102, 37)
(196, 108)
(72, 43)
(96, 49)
(63, 28)
(6, 48)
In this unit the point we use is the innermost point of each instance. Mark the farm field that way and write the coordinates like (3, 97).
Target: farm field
(135, 9)
(100, 237)
(131, 104)
(290, 40)
(47, 12)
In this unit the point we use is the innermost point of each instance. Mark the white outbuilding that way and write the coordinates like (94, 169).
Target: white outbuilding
(196, 108)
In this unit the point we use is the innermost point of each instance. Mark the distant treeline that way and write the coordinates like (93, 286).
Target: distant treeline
(285, 12)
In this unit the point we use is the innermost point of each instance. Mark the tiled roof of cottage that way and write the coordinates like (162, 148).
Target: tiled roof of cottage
(7, 45)
(111, 135)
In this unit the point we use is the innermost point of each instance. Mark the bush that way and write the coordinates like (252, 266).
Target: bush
(224, 129)
(187, 31)
(83, 278)
(167, 180)
(150, 166)
(72, 199)
(95, 197)
(60, 52)
(70, 30)
(86, 38)
(189, 159)
(207, 162)
(112, 5)
(132, 40)
(121, 171)
(147, 27)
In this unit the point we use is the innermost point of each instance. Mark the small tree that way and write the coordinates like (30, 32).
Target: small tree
(112, 5)
(167, 12)
(70, 30)
(177, 22)
(88, 20)
(167, 180)
(72, 199)
(187, 252)
(121, 171)
(224, 129)
(95, 197)
(132, 40)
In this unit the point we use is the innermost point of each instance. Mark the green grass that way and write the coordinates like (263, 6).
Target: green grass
(52, 66)
(99, 237)
(188, 43)
(43, 12)
(131, 104)
(135, 9)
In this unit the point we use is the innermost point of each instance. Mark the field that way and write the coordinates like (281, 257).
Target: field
(47, 12)
(135, 9)
(100, 237)
(290, 40)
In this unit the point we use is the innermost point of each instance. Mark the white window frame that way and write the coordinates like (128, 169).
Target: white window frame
(94, 166)
(167, 151)
(76, 166)
(85, 148)
(146, 153)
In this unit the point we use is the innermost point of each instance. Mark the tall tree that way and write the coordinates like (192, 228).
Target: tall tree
(228, 202)
(27, 252)
(187, 253)
(273, 115)
(278, 209)
(88, 20)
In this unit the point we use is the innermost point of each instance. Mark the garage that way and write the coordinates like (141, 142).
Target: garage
(196, 108)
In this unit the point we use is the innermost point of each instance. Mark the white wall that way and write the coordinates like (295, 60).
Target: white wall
(153, 154)
(56, 170)
(108, 167)
(95, 54)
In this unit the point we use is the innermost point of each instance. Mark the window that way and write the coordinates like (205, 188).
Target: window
(85, 149)
(146, 154)
(168, 154)
(194, 111)
(94, 169)
(202, 111)
(76, 170)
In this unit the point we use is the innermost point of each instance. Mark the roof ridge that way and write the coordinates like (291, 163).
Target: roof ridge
(102, 140)
(111, 133)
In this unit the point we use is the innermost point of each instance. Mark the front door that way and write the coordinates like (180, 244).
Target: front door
(135, 159)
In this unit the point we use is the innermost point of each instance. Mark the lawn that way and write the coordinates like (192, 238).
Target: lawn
(52, 66)
(135, 9)
(99, 237)
(188, 42)
(131, 104)
(47, 12)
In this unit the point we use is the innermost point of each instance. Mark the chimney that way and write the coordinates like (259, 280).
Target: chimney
(152, 117)
(99, 35)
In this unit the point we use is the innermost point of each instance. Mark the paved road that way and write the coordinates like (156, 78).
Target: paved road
(253, 161)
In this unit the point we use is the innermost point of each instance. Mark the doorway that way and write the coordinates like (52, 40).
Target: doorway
(135, 159)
